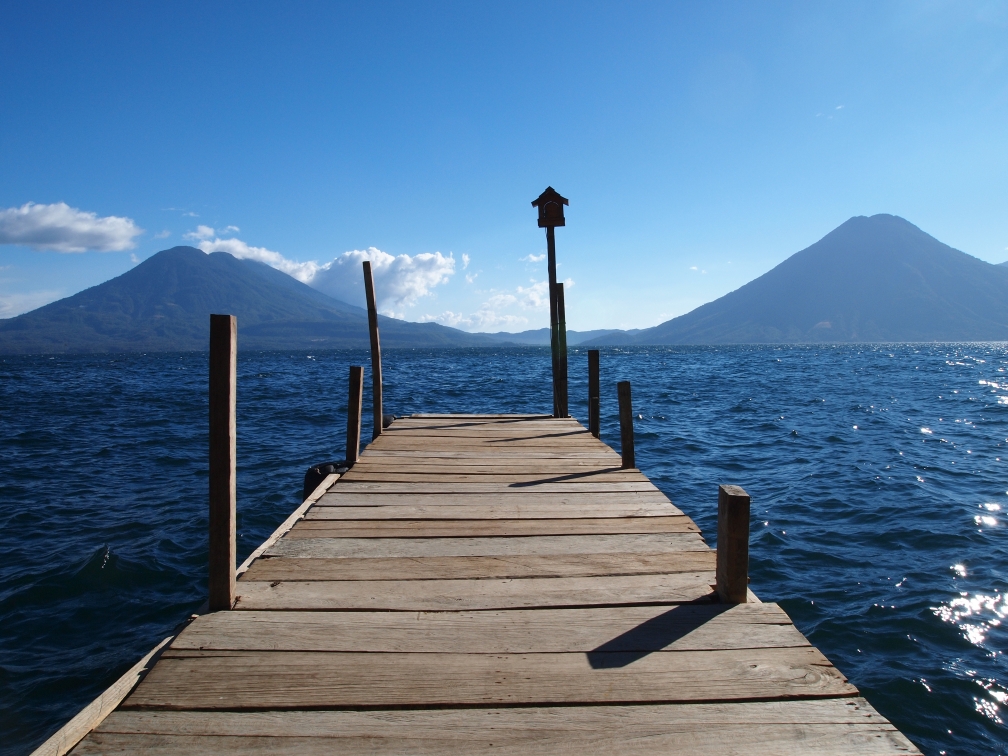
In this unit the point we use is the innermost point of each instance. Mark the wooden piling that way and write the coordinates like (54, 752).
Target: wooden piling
(594, 400)
(223, 437)
(562, 394)
(376, 374)
(733, 545)
(626, 424)
(554, 317)
(355, 402)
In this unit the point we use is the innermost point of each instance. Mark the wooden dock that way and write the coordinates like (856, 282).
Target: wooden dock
(491, 583)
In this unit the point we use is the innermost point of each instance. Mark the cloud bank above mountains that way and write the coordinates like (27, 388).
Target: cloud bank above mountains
(400, 280)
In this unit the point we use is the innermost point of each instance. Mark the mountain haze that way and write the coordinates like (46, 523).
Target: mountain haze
(871, 279)
(164, 303)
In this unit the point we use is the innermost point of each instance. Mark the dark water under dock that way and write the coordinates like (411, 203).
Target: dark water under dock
(877, 477)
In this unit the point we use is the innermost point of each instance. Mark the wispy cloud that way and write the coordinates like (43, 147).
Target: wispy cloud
(302, 271)
(62, 228)
(162, 234)
(533, 258)
(201, 232)
(470, 277)
(16, 304)
(465, 261)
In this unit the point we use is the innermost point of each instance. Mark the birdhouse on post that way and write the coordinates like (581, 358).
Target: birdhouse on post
(550, 205)
(551, 215)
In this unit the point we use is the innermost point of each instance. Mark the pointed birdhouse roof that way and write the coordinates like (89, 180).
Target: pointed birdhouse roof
(550, 195)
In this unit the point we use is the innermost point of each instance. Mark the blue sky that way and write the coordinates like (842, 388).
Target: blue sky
(699, 144)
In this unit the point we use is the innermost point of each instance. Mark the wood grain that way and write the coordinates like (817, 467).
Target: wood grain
(490, 593)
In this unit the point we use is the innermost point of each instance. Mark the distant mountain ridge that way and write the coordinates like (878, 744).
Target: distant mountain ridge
(871, 279)
(163, 304)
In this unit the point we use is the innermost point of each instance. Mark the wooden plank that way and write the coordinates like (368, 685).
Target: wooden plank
(475, 594)
(438, 511)
(291, 680)
(835, 727)
(433, 547)
(682, 627)
(427, 568)
(476, 467)
(497, 489)
(532, 500)
(471, 528)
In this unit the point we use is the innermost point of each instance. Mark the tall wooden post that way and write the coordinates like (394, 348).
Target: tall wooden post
(554, 318)
(562, 395)
(594, 400)
(733, 545)
(355, 403)
(376, 377)
(626, 424)
(223, 442)
(551, 215)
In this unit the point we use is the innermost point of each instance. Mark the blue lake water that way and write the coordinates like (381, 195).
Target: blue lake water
(879, 479)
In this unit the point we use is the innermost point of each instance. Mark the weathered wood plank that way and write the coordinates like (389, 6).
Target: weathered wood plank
(478, 528)
(292, 680)
(459, 547)
(475, 594)
(789, 728)
(497, 489)
(683, 627)
(515, 566)
(531, 501)
(451, 511)
(528, 479)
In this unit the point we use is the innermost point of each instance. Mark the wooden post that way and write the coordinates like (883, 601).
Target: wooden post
(355, 402)
(626, 424)
(376, 378)
(593, 392)
(554, 320)
(562, 352)
(223, 438)
(733, 545)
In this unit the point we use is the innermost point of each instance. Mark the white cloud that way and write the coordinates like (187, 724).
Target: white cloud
(470, 277)
(62, 228)
(399, 280)
(483, 319)
(535, 296)
(201, 232)
(303, 272)
(231, 230)
(134, 259)
(533, 258)
(465, 261)
(15, 304)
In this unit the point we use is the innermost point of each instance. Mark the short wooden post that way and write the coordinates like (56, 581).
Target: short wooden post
(562, 396)
(733, 545)
(376, 377)
(626, 424)
(223, 438)
(594, 399)
(355, 402)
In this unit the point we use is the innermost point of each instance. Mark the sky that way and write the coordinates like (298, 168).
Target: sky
(699, 144)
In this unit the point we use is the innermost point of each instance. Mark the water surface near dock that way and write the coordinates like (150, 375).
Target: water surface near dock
(874, 471)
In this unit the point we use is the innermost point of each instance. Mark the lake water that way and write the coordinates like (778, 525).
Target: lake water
(878, 474)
